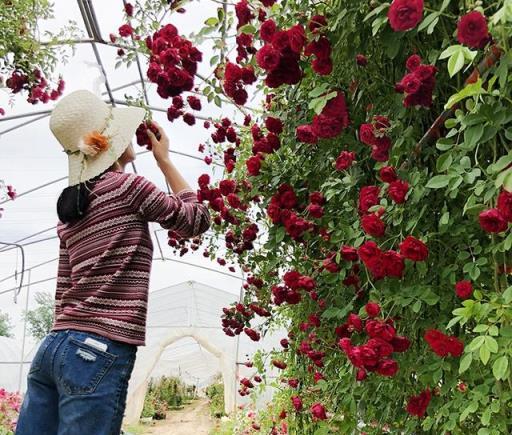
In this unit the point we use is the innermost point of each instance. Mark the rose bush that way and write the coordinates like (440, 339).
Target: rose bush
(383, 240)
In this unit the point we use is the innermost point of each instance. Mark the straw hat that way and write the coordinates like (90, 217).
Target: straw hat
(92, 133)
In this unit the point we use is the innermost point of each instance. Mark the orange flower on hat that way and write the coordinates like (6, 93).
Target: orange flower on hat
(93, 143)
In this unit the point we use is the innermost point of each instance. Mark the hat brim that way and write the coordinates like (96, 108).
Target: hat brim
(121, 130)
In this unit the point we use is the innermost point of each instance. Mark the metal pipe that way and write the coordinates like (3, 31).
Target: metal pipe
(20, 247)
(24, 333)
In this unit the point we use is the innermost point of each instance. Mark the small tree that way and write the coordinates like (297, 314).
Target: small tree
(5, 325)
(40, 319)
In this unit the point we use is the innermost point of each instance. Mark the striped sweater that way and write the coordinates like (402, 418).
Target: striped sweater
(105, 258)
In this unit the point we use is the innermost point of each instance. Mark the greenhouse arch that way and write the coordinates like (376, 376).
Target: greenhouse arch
(170, 322)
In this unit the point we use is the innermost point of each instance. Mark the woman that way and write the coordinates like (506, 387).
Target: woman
(78, 379)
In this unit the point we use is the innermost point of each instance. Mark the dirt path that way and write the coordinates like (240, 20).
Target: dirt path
(193, 419)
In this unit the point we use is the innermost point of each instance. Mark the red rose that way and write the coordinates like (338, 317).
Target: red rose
(354, 323)
(267, 30)
(268, 57)
(227, 186)
(397, 191)
(369, 251)
(491, 221)
(413, 62)
(337, 108)
(125, 30)
(464, 289)
(326, 127)
(417, 405)
(472, 30)
(349, 254)
(373, 225)
(505, 205)
(413, 249)
(317, 198)
(361, 375)
(372, 309)
(320, 48)
(383, 348)
(305, 133)
(315, 210)
(318, 411)
(405, 14)
(274, 125)
(367, 134)
(297, 403)
(411, 83)
(345, 160)
(254, 165)
(361, 60)
(297, 38)
(400, 343)
(387, 367)
(316, 22)
(380, 329)
(443, 345)
(393, 264)
(368, 197)
(388, 174)
(322, 67)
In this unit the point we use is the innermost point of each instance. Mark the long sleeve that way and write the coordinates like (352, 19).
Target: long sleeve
(63, 276)
(180, 212)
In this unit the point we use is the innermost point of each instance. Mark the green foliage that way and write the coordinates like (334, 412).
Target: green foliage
(215, 392)
(40, 319)
(5, 325)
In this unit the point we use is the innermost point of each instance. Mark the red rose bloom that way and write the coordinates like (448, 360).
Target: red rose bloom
(372, 309)
(326, 127)
(387, 174)
(318, 411)
(405, 14)
(464, 289)
(297, 38)
(322, 67)
(472, 30)
(397, 191)
(368, 197)
(361, 60)
(413, 249)
(345, 160)
(317, 198)
(443, 345)
(305, 133)
(400, 343)
(373, 225)
(321, 48)
(417, 405)
(268, 57)
(316, 22)
(492, 221)
(387, 367)
(297, 403)
(367, 134)
(267, 30)
(125, 30)
(349, 254)
(274, 125)
(413, 62)
(505, 205)
(254, 165)
(337, 108)
(393, 264)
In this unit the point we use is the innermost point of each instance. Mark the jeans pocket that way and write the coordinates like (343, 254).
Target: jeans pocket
(37, 361)
(82, 367)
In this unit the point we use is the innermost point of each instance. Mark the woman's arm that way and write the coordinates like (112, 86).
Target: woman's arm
(160, 150)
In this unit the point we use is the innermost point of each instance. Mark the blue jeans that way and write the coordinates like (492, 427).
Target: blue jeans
(77, 387)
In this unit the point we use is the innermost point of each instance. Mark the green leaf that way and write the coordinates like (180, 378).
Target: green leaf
(499, 368)
(444, 162)
(452, 49)
(428, 20)
(507, 295)
(465, 362)
(484, 355)
(491, 344)
(212, 21)
(438, 182)
(416, 307)
(472, 135)
(501, 164)
(376, 11)
(500, 179)
(468, 91)
(247, 28)
(456, 62)
(476, 343)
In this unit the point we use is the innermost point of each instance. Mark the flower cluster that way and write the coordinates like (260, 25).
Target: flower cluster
(235, 77)
(280, 55)
(176, 109)
(36, 85)
(173, 62)
(418, 84)
(319, 47)
(290, 291)
(496, 220)
(333, 119)
(10, 404)
(375, 355)
(142, 135)
(444, 345)
(417, 405)
(281, 210)
(264, 143)
(375, 135)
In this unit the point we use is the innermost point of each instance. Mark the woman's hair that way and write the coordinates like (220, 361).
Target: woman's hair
(74, 200)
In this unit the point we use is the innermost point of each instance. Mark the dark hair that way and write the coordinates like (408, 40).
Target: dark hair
(74, 200)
